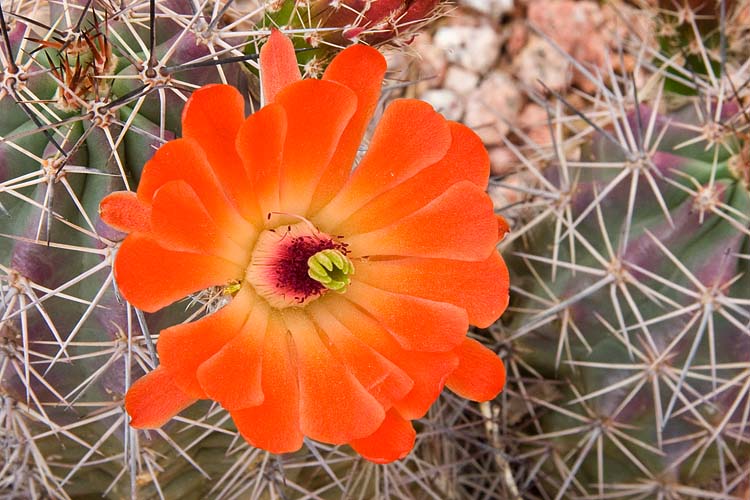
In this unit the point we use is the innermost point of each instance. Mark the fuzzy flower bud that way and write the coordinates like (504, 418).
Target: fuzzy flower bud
(379, 20)
(371, 21)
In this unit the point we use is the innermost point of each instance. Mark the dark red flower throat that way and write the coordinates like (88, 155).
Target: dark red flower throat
(279, 269)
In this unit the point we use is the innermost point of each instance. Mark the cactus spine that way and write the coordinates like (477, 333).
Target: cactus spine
(630, 339)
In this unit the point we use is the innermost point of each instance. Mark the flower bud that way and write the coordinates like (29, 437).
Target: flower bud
(376, 21)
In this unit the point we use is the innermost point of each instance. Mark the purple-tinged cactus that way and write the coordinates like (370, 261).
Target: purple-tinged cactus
(83, 106)
(633, 304)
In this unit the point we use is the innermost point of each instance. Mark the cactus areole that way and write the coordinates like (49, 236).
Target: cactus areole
(348, 294)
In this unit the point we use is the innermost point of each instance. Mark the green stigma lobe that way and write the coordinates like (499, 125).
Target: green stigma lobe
(330, 268)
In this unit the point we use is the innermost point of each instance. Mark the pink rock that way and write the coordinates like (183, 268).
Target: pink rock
(567, 22)
(431, 60)
(584, 30)
(534, 122)
(540, 62)
(504, 196)
(496, 98)
(502, 161)
(518, 35)
(494, 9)
(445, 102)
(460, 80)
(474, 47)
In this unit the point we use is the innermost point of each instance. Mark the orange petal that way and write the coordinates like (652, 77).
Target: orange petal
(466, 160)
(232, 376)
(183, 348)
(278, 65)
(480, 375)
(417, 324)
(275, 424)
(317, 112)
(479, 287)
(428, 370)
(151, 277)
(183, 159)
(393, 440)
(384, 380)
(154, 399)
(410, 137)
(360, 68)
(212, 117)
(123, 211)
(334, 407)
(180, 222)
(458, 225)
(260, 143)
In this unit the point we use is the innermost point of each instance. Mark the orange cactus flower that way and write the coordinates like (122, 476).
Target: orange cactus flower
(350, 293)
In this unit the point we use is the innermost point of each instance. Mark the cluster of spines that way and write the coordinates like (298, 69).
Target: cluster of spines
(71, 346)
(630, 284)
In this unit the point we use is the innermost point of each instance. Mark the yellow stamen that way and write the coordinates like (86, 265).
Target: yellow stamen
(331, 268)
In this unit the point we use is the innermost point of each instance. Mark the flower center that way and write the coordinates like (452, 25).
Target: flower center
(293, 264)
(331, 268)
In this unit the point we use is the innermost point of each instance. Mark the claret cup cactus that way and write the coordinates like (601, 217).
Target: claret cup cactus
(90, 90)
(337, 327)
(627, 342)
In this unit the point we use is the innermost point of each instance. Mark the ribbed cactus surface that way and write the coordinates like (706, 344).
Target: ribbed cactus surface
(640, 311)
(630, 337)
(89, 91)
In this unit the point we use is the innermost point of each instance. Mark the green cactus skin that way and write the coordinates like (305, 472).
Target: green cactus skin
(628, 336)
(70, 346)
(631, 325)
(670, 300)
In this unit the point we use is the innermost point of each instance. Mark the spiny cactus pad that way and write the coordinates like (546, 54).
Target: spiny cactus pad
(630, 336)
(87, 94)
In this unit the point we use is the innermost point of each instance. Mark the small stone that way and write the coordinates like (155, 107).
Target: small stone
(571, 24)
(502, 197)
(445, 102)
(496, 98)
(495, 9)
(432, 62)
(534, 122)
(587, 33)
(503, 161)
(518, 34)
(742, 16)
(460, 80)
(398, 64)
(474, 48)
(539, 61)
